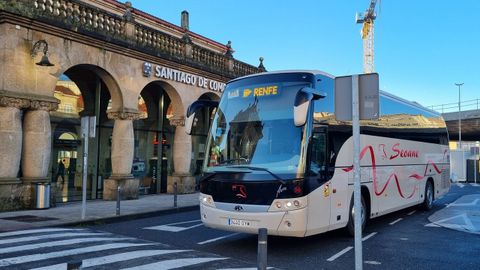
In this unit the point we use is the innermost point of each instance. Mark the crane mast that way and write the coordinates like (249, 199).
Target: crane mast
(367, 20)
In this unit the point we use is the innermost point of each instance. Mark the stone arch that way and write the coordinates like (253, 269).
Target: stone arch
(156, 136)
(77, 74)
(210, 96)
(62, 128)
(176, 100)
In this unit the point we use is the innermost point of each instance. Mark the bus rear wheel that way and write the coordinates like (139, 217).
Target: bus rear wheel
(351, 218)
(428, 196)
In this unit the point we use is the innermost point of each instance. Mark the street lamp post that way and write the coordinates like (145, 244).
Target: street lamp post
(460, 128)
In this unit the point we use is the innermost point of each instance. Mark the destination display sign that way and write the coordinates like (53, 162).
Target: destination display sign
(261, 91)
(181, 77)
(254, 91)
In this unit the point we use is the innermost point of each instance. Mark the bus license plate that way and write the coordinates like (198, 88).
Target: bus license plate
(239, 222)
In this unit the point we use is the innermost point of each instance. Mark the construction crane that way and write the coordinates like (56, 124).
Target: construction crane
(367, 20)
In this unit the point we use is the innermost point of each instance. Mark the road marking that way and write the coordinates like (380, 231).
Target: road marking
(16, 233)
(184, 222)
(60, 243)
(475, 184)
(69, 252)
(373, 262)
(432, 225)
(368, 236)
(460, 185)
(171, 264)
(113, 258)
(411, 213)
(171, 228)
(404, 239)
(251, 268)
(216, 239)
(465, 204)
(393, 222)
(467, 223)
(47, 236)
(334, 257)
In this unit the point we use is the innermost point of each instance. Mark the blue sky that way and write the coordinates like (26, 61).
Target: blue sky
(421, 47)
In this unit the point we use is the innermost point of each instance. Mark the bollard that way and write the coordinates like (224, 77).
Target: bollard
(118, 201)
(175, 194)
(76, 265)
(262, 249)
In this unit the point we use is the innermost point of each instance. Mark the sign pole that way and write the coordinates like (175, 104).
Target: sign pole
(85, 133)
(88, 127)
(363, 92)
(356, 173)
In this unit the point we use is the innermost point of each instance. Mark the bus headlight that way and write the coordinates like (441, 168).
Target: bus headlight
(288, 204)
(206, 200)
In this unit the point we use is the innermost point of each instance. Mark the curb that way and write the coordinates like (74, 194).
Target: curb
(127, 217)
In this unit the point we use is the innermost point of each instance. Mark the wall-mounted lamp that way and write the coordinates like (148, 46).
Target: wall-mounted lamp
(44, 62)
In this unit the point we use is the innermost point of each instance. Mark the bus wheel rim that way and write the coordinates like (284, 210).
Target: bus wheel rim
(429, 195)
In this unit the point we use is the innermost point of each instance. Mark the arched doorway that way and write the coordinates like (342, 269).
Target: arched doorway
(154, 138)
(83, 90)
(201, 126)
(65, 158)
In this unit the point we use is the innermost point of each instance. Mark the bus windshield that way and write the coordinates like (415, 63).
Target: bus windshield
(253, 128)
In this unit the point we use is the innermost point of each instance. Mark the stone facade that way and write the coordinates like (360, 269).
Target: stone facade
(113, 41)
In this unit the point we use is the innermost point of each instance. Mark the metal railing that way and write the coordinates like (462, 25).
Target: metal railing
(466, 105)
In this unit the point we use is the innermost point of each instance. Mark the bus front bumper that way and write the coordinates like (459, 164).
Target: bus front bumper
(283, 223)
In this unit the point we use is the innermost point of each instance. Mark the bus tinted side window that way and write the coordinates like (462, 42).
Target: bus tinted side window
(318, 159)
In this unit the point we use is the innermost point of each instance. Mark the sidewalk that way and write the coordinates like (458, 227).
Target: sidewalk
(96, 211)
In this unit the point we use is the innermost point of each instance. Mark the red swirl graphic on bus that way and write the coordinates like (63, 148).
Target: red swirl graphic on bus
(414, 176)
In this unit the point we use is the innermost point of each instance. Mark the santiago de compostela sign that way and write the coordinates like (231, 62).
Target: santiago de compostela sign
(181, 77)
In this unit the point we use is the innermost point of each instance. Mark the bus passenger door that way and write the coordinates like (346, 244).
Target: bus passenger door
(319, 198)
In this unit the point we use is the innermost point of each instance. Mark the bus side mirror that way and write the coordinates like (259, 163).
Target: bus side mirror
(302, 104)
(193, 108)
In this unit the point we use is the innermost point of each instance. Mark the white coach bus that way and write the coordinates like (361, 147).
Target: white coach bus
(272, 165)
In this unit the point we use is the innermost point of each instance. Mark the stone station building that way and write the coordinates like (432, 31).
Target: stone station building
(134, 74)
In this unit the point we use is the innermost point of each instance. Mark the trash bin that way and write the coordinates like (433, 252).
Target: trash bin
(42, 196)
(471, 167)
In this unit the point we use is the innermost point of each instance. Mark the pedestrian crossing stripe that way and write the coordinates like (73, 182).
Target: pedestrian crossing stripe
(171, 264)
(52, 248)
(44, 230)
(125, 256)
(68, 252)
(48, 236)
(60, 243)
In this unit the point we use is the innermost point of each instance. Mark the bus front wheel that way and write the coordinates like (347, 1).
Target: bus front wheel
(351, 218)
(428, 196)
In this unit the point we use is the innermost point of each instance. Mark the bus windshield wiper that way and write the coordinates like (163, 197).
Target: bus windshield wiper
(214, 173)
(230, 161)
(260, 169)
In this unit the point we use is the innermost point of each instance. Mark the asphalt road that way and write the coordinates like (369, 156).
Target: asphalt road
(402, 240)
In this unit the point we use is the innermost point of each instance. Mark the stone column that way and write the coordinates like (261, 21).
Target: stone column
(182, 156)
(10, 143)
(37, 146)
(122, 158)
(11, 192)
